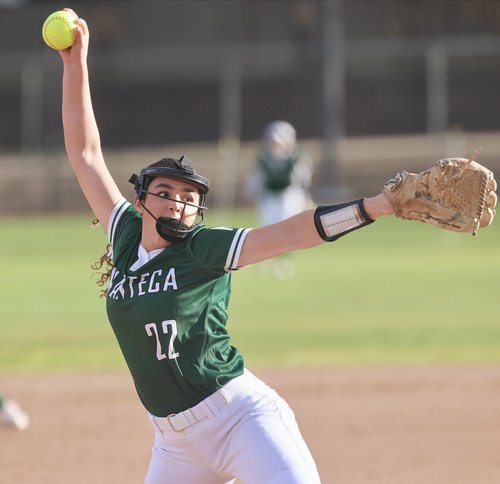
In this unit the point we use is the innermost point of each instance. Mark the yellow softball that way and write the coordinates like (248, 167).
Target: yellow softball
(58, 30)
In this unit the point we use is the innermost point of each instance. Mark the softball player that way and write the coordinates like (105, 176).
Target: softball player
(279, 185)
(12, 415)
(280, 181)
(167, 302)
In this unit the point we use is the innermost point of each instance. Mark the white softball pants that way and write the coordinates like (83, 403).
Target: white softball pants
(245, 430)
(274, 207)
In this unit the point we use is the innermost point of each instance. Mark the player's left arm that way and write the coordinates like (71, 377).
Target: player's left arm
(298, 232)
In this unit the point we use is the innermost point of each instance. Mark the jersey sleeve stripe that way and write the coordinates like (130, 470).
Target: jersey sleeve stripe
(117, 212)
(233, 255)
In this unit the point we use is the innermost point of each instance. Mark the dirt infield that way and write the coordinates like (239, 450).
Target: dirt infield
(432, 425)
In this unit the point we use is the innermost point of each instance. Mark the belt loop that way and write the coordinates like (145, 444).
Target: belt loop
(193, 418)
(211, 407)
(153, 419)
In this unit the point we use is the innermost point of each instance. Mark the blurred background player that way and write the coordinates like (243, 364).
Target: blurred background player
(279, 184)
(12, 415)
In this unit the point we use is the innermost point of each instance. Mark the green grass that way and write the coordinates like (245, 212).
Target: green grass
(396, 292)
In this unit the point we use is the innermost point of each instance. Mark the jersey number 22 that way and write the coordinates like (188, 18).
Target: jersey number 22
(152, 330)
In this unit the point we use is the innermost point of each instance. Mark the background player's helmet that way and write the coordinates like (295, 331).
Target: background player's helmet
(279, 139)
(171, 229)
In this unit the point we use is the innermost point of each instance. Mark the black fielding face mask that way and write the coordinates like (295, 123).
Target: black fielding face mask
(171, 229)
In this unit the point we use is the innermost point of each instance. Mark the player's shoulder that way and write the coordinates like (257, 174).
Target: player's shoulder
(219, 238)
(217, 249)
(123, 216)
(204, 232)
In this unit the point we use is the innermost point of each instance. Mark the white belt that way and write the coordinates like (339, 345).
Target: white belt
(207, 408)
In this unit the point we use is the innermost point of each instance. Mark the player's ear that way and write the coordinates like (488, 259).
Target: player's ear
(137, 204)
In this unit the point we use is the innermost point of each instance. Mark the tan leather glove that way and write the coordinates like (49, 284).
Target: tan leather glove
(454, 194)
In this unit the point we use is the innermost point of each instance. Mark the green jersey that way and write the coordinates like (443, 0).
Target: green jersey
(169, 315)
(278, 173)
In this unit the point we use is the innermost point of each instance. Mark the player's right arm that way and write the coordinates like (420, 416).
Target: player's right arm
(81, 135)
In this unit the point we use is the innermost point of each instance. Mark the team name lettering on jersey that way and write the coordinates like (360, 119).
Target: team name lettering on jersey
(126, 287)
